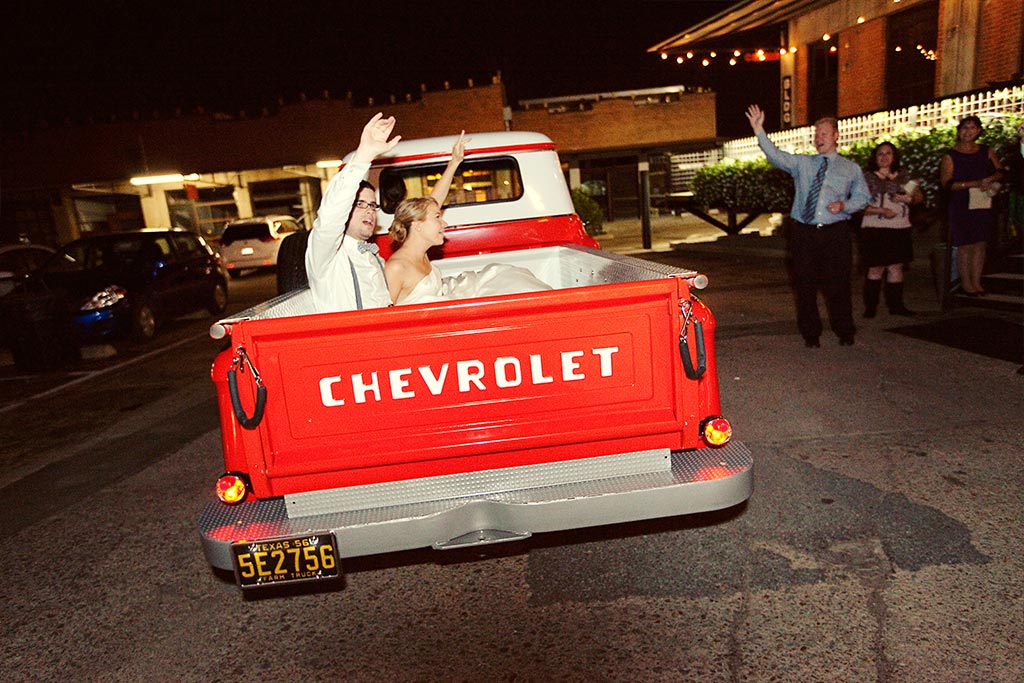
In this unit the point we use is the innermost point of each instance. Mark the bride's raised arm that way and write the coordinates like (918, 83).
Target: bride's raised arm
(440, 191)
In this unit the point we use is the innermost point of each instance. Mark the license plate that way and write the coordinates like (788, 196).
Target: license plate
(246, 251)
(272, 562)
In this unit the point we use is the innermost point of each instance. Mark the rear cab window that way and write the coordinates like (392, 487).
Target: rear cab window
(483, 181)
(245, 231)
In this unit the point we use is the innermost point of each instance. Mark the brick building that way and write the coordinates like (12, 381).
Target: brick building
(850, 57)
(831, 57)
(60, 181)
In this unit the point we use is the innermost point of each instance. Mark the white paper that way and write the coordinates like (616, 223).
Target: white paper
(978, 199)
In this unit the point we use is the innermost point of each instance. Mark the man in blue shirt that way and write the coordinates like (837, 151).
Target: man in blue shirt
(829, 189)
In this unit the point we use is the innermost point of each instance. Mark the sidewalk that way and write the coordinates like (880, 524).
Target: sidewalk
(671, 233)
(678, 233)
(688, 234)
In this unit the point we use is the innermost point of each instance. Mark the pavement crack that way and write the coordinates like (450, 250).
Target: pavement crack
(736, 624)
(866, 561)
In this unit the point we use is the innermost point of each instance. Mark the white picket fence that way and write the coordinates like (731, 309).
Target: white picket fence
(985, 105)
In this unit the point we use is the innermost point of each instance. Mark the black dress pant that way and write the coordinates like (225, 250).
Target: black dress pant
(822, 259)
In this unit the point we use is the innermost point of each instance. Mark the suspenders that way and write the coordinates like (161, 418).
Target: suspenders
(355, 279)
(355, 283)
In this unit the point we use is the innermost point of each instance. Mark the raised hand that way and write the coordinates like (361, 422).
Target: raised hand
(459, 148)
(444, 183)
(374, 140)
(756, 118)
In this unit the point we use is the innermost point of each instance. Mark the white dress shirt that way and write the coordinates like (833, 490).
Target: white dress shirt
(331, 257)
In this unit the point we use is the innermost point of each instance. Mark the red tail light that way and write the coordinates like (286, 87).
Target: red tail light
(231, 488)
(715, 430)
(269, 238)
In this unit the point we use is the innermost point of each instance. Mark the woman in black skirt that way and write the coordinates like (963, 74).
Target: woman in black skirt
(886, 242)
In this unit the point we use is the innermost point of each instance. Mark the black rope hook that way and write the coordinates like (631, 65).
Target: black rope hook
(246, 421)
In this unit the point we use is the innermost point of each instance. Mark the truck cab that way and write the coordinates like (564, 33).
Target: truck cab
(508, 193)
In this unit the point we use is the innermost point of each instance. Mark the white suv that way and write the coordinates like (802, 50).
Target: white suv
(254, 242)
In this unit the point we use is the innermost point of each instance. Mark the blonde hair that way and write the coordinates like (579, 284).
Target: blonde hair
(828, 121)
(408, 211)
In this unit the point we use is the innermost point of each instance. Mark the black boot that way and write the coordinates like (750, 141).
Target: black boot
(872, 289)
(894, 299)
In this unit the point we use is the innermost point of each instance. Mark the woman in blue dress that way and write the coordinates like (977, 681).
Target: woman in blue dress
(970, 173)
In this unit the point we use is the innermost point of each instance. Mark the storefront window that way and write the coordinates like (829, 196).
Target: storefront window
(823, 80)
(277, 197)
(113, 213)
(911, 37)
(207, 214)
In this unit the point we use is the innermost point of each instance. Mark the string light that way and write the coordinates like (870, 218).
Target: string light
(758, 55)
(775, 54)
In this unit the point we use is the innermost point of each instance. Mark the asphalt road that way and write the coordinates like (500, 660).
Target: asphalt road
(882, 542)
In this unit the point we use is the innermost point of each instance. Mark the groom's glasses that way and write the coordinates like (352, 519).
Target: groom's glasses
(360, 204)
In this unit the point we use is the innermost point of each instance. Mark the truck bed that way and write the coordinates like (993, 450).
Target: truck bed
(478, 420)
(561, 267)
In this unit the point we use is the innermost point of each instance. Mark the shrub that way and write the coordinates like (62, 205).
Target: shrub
(756, 185)
(753, 185)
(589, 211)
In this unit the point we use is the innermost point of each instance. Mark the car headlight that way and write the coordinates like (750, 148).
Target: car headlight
(105, 298)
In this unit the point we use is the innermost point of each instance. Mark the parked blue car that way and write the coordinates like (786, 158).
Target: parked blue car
(127, 283)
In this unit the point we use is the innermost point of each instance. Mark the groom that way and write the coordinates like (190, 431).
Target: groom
(345, 273)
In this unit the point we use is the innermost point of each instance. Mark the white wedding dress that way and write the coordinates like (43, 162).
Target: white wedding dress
(491, 280)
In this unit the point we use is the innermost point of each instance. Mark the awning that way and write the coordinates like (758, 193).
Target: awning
(753, 17)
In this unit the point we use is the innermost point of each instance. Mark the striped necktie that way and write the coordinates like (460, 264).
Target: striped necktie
(811, 206)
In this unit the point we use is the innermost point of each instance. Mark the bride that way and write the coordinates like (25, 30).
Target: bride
(413, 279)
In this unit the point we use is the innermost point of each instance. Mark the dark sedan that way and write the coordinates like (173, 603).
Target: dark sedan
(126, 283)
(17, 261)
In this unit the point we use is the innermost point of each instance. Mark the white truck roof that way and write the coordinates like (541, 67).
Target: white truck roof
(423, 149)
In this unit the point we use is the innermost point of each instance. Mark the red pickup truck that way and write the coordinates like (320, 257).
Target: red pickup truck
(464, 422)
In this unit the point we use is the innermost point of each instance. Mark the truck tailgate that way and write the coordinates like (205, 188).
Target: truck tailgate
(374, 396)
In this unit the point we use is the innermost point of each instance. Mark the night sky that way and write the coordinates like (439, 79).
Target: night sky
(95, 60)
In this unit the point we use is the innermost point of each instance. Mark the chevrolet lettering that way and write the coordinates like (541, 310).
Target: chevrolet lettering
(503, 372)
